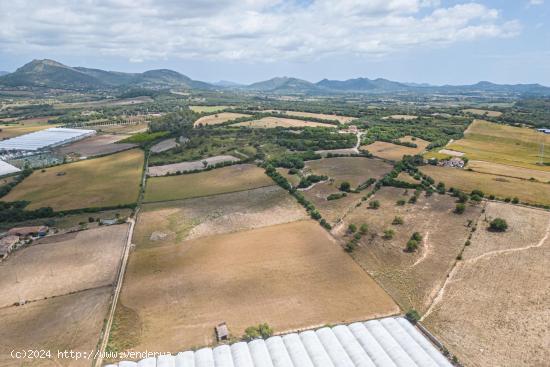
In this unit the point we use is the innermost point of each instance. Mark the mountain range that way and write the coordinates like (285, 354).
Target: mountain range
(52, 74)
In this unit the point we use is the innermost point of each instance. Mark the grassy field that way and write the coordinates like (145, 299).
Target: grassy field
(412, 279)
(218, 181)
(106, 181)
(271, 122)
(509, 171)
(507, 276)
(331, 210)
(218, 118)
(175, 221)
(513, 146)
(11, 130)
(477, 111)
(290, 275)
(394, 152)
(128, 129)
(500, 186)
(208, 109)
(355, 170)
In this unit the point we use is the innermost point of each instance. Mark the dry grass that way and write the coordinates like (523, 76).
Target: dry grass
(500, 186)
(71, 322)
(354, 170)
(11, 131)
(129, 129)
(331, 210)
(209, 109)
(271, 122)
(509, 171)
(514, 146)
(293, 179)
(324, 116)
(175, 221)
(396, 152)
(412, 279)
(400, 117)
(290, 276)
(217, 181)
(62, 264)
(494, 309)
(189, 166)
(218, 118)
(476, 111)
(105, 181)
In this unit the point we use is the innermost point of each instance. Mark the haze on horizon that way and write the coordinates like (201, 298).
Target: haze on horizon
(423, 41)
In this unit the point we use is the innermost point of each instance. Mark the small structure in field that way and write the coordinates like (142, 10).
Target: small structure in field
(222, 333)
(544, 130)
(454, 162)
(108, 221)
(29, 231)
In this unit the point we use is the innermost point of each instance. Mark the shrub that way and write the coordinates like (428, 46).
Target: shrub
(388, 234)
(413, 199)
(416, 236)
(352, 228)
(412, 245)
(515, 200)
(460, 208)
(345, 186)
(336, 196)
(413, 316)
(375, 204)
(397, 221)
(400, 202)
(498, 225)
(363, 229)
(263, 331)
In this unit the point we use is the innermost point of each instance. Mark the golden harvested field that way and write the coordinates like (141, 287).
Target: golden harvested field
(62, 264)
(514, 146)
(11, 130)
(324, 116)
(476, 111)
(412, 279)
(238, 177)
(396, 152)
(69, 322)
(493, 310)
(128, 129)
(290, 275)
(218, 118)
(509, 171)
(355, 170)
(106, 181)
(208, 109)
(175, 221)
(271, 122)
(500, 186)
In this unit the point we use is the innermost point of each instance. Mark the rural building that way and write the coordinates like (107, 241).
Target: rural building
(43, 139)
(392, 341)
(7, 169)
(7, 244)
(108, 222)
(29, 231)
(544, 130)
(221, 332)
(454, 162)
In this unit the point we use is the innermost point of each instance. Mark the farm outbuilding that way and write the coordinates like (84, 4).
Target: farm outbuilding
(392, 341)
(29, 231)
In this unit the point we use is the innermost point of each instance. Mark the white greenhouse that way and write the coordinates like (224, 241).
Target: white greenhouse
(389, 342)
(6, 168)
(43, 139)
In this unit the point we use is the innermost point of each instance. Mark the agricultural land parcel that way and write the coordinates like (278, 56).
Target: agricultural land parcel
(97, 145)
(189, 166)
(66, 281)
(107, 181)
(222, 180)
(494, 308)
(324, 116)
(412, 279)
(208, 109)
(396, 152)
(218, 118)
(290, 275)
(271, 122)
(479, 112)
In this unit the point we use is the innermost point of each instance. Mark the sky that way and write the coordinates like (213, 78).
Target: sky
(423, 41)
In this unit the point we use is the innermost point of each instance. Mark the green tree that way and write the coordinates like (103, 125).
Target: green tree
(397, 221)
(352, 228)
(498, 225)
(375, 204)
(460, 208)
(363, 229)
(345, 186)
(412, 245)
(388, 234)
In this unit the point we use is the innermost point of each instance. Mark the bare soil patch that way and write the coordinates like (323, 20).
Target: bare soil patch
(97, 145)
(290, 275)
(494, 308)
(189, 166)
(354, 170)
(395, 152)
(71, 322)
(413, 279)
(164, 145)
(271, 122)
(175, 221)
(62, 265)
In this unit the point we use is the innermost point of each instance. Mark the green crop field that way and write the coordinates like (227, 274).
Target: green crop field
(218, 181)
(106, 181)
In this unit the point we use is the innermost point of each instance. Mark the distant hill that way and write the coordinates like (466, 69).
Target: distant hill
(4, 72)
(284, 85)
(52, 74)
(227, 84)
(362, 84)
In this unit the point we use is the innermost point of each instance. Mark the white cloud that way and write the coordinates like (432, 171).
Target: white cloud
(248, 30)
(536, 2)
